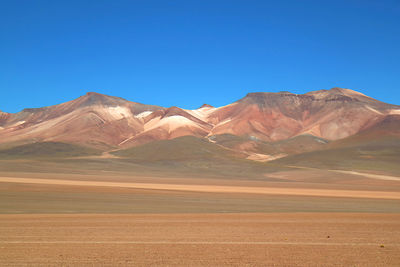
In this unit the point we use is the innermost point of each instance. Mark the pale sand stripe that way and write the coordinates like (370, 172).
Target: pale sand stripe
(364, 174)
(214, 188)
(204, 243)
(369, 175)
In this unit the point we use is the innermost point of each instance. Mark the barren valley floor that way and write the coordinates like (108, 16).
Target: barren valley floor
(290, 218)
(247, 239)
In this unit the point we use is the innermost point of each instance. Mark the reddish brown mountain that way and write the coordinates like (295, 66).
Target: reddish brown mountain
(169, 124)
(93, 119)
(329, 114)
(111, 122)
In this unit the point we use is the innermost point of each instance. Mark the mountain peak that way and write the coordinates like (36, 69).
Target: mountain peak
(97, 95)
(206, 106)
(92, 93)
(337, 90)
(269, 94)
(350, 92)
(93, 98)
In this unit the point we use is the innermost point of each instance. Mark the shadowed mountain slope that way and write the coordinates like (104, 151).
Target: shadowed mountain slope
(192, 155)
(182, 148)
(47, 150)
(374, 149)
(264, 151)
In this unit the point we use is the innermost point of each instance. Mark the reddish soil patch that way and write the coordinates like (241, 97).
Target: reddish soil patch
(279, 239)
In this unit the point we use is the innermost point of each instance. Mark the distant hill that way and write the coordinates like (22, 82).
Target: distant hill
(374, 149)
(260, 126)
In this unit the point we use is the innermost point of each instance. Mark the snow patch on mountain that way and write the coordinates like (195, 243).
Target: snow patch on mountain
(224, 122)
(373, 110)
(18, 123)
(201, 113)
(171, 122)
(143, 114)
(119, 112)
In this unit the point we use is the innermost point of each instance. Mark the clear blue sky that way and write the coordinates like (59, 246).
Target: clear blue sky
(188, 52)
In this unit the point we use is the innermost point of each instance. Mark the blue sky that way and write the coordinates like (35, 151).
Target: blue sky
(186, 53)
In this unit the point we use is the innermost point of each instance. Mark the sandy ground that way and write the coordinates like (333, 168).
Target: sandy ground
(274, 239)
(214, 188)
(288, 191)
(289, 218)
(17, 198)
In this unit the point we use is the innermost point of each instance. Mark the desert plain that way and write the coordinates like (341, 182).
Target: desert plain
(289, 217)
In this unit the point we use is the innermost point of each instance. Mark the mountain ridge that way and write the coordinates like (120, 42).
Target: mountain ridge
(108, 122)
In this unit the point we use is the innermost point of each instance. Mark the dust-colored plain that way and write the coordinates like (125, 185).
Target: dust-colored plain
(272, 239)
(300, 217)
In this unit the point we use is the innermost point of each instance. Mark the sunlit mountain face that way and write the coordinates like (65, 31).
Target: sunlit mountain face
(269, 125)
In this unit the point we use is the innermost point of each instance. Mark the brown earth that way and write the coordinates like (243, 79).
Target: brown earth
(214, 188)
(300, 217)
(117, 192)
(249, 239)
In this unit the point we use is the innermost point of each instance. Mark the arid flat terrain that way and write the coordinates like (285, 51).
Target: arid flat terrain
(296, 217)
(286, 191)
(213, 188)
(248, 239)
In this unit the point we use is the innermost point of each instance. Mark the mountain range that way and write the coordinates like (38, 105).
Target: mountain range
(260, 126)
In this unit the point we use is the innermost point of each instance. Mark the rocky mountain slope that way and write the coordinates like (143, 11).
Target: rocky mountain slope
(265, 126)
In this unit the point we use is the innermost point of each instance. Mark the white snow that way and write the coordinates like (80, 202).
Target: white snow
(126, 140)
(18, 123)
(205, 112)
(143, 114)
(172, 122)
(224, 121)
(201, 113)
(119, 112)
(374, 110)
